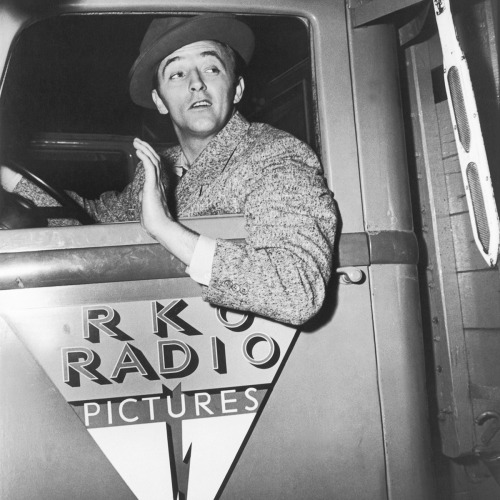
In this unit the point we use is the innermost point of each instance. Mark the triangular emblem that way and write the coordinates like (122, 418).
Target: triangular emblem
(169, 389)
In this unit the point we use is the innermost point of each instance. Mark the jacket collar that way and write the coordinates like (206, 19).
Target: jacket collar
(212, 160)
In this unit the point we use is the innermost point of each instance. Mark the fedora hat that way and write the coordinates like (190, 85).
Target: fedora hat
(166, 35)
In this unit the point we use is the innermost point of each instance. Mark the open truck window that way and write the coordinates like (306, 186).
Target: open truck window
(66, 115)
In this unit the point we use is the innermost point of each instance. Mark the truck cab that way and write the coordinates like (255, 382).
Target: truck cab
(118, 381)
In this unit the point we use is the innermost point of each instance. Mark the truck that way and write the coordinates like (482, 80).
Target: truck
(117, 381)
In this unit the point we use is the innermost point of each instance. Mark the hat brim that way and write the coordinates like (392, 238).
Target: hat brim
(223, 28)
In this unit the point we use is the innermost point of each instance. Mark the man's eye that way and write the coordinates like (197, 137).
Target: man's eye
(176, 75)
(213, 70)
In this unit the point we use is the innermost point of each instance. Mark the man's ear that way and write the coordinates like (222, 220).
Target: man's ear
(160, 105)
(240, 88)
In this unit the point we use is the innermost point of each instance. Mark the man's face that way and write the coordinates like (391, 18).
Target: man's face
(196, 86)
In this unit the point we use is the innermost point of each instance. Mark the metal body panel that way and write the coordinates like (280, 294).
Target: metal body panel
(346, 418)
(395, 291)
(44, 436)
(380, 130)
(62, 296)
(73, 256)
(127, 233)
(315, 396)
(321, 420)
(400, 357)
(307, 442)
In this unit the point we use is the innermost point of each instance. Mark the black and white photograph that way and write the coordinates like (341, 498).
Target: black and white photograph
(249, 250)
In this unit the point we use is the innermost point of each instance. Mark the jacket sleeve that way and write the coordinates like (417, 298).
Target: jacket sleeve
(111, 206)
(282, 268)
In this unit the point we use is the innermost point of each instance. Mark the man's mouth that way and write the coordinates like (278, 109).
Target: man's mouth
(201, 104)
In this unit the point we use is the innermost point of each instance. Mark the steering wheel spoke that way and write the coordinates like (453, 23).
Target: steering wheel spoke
(69, 208)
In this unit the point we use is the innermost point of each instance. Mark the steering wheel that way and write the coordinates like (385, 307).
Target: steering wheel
(69, 208)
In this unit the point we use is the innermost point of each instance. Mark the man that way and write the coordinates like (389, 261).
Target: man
(188, 68)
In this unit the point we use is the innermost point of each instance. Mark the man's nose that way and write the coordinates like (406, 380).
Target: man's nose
(196, 83)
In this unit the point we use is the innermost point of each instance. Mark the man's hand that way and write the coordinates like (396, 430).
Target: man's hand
(156, 218)
(9, 178)
(153, 196)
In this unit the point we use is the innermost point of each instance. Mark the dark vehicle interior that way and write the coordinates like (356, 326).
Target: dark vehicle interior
(67, 117)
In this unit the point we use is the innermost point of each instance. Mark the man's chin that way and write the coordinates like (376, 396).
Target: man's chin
(205, 127)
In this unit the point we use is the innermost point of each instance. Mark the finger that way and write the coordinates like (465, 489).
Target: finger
(150, 169)
(145, 144)
(141, 218)
(152, 182)
(144, 153)
(147, 152)
(146, 160)
(140, 196)
(147, 148)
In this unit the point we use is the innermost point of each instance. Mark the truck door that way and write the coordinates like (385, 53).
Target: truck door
(122, 383)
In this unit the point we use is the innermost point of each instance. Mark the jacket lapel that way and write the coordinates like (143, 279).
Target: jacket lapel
(210, 163)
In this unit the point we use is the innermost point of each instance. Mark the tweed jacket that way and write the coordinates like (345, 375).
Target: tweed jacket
(276, 182)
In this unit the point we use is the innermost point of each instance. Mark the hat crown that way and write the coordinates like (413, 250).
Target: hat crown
(167, 26)
(159, 28)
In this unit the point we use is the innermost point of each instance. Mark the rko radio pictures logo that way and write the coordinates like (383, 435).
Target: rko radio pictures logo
(165, 385)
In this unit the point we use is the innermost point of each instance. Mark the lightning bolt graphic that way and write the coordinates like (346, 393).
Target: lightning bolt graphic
(179, 463)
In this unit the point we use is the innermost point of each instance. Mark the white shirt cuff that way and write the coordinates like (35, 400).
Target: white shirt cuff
(200, 267)
(9, 179)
